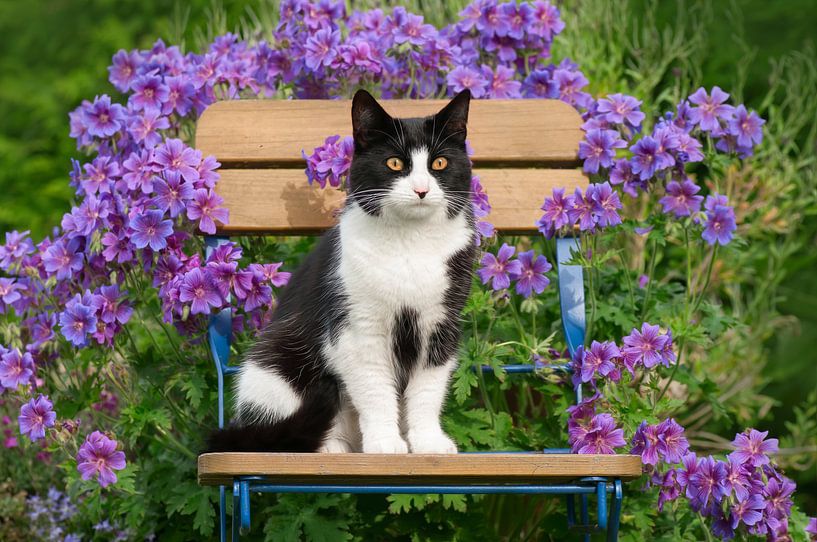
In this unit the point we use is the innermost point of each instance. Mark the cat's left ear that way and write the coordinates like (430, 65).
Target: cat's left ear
(454, 116)
(369, 119)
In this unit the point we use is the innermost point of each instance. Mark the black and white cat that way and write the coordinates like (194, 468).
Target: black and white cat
(360, 348)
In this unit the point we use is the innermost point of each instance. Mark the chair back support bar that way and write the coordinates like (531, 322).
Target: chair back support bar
(522, 150)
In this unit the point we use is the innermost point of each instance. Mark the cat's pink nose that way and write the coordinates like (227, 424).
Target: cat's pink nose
(421, 193)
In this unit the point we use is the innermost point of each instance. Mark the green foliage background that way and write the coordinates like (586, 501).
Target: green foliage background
(53, 54)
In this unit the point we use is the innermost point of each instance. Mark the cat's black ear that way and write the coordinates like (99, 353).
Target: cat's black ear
(454, 116)
(368, 119)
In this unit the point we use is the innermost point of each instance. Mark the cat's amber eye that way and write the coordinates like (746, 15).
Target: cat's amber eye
(394, 164)
(439, 163)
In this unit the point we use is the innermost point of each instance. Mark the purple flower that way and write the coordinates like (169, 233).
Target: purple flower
(681, 198)
(602, 436)
(252, 289)
(606, 204)
(646, 441)
(205, 208)
(36, 416)
(540, 84)
(150, 230)
(9, 291)
(62, 259)
(144, 128)
(16, 368)
(173, 193)
(689, 148)
(746, 127)
(117, 247)
(707, 482)
(570, 84)
(174, 155)
(622, 173)
(599, 359)
(139, 171)
(545, 20)
(410, 28)
(497, 269)
(672, 443)
(100, 175)
(111, 306)
(198, 288)
(710, 110)
(749, 511)
(78, 320)
(270, 273)
(17, 245)
(581, 209)
(643, 347)
(531, 277)
(667, 141)
(180, 92)
(463, 77)
(778, 497)
(321, 48)
(123, 70)
(645, 157)
(102, 118)
(737, 479)
(556, 211)
(501, 82)
(720, 222)
(598, 149)
(751, 448)
(149, 93)
(620, 109)
(99, 457)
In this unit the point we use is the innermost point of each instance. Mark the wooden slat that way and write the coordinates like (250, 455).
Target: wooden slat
(275, 131)
(279, 201)
(219, 468)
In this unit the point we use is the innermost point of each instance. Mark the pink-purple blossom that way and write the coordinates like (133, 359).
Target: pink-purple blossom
(99, 458)
(499, 269)
(36, 416)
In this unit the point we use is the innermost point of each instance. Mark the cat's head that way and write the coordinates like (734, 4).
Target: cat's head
(410, 168)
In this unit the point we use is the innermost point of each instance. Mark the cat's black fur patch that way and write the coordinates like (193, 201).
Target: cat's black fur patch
(445, 338)
(406, 344)
(312, 309)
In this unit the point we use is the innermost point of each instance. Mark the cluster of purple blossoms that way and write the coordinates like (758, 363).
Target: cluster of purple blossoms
(527, 270)
(330, 162)
(596, 209)
(50, 516)
(590, 433)
(744, 492)
(615, 122)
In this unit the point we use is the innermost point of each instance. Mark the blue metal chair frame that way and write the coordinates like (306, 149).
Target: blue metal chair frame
(571, 296)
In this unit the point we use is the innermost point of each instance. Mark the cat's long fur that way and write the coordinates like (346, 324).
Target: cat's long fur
(359, 351)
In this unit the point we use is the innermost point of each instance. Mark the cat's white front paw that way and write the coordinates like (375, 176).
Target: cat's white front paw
(335, 446)
(431, 442)
(387, 444)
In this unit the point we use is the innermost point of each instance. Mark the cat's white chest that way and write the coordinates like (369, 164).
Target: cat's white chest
(385, 267)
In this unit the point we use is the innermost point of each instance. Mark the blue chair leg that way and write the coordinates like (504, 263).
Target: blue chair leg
(236, 511)
(615, 513)
(601, 504)
(585, 515)
(222, 514)
(244, 491)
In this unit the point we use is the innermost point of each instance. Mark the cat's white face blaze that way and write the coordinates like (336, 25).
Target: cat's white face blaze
(416, 195)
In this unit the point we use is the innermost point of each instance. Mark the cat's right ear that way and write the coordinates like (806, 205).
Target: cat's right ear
(369, 119)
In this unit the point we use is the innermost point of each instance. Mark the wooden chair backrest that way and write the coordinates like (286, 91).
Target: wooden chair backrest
(523, 149)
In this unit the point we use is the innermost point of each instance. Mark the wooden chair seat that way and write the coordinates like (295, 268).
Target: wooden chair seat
(417, 469)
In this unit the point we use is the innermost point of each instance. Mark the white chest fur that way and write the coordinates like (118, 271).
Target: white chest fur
(386, 266)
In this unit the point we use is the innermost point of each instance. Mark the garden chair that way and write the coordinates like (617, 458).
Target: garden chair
(523, 149)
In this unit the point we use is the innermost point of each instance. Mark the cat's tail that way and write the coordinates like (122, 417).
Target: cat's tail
(303, 431)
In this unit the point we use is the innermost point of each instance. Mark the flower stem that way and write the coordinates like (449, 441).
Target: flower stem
(649, 280)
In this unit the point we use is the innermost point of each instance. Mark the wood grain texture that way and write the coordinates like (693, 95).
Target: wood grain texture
(279, 201)
(219, 468)
(273, 132)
